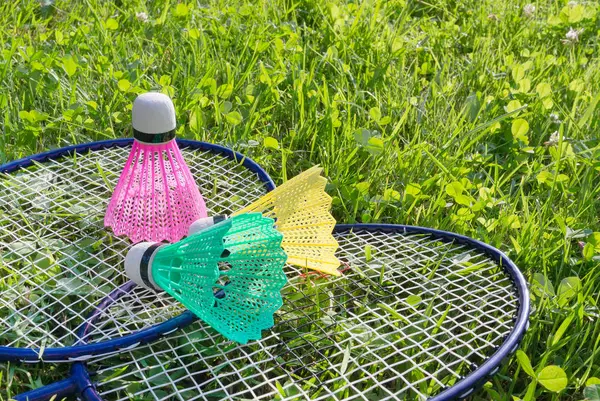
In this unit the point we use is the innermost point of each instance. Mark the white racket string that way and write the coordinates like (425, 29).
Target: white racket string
(410, 316)
(56, 258)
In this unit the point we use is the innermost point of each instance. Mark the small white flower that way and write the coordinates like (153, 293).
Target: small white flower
(553, 140)
(572, 3)
(529, 10)
(141, 16)
(555, 118)
(572, 36)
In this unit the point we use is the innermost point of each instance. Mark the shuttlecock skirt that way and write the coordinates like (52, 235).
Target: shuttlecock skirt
(241, 259)
(156, 198)
(301, 209)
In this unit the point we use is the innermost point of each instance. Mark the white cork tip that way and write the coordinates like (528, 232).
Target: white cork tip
(153, 113)
(133, 260)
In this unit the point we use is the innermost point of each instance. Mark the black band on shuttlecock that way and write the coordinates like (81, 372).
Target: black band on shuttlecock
(153, 138)
(219, 218)
(145, 265)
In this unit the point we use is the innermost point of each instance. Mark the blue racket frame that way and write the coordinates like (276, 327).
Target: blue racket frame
(81, 383)
(80, 350)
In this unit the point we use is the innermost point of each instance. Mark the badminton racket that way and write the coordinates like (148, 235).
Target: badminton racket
(62, 284)
(417, 314)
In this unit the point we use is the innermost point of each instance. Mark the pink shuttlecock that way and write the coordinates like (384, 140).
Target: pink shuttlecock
(156, 198)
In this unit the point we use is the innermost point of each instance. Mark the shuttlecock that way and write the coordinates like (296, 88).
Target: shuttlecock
(156, 198)
(300, 208)
(230, 274)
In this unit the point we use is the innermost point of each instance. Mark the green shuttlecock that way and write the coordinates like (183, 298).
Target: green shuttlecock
(230, 275)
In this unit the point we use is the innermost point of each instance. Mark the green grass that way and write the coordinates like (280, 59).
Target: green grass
(438, 113)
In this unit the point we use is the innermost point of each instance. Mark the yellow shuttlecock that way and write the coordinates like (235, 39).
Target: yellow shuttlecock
(301, 207)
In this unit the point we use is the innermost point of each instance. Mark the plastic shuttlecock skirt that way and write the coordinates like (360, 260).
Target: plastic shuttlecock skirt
(156, 198)
(239, 258)
(301, 207)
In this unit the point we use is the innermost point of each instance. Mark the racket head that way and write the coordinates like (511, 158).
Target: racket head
(360, 336)
(57, 258)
